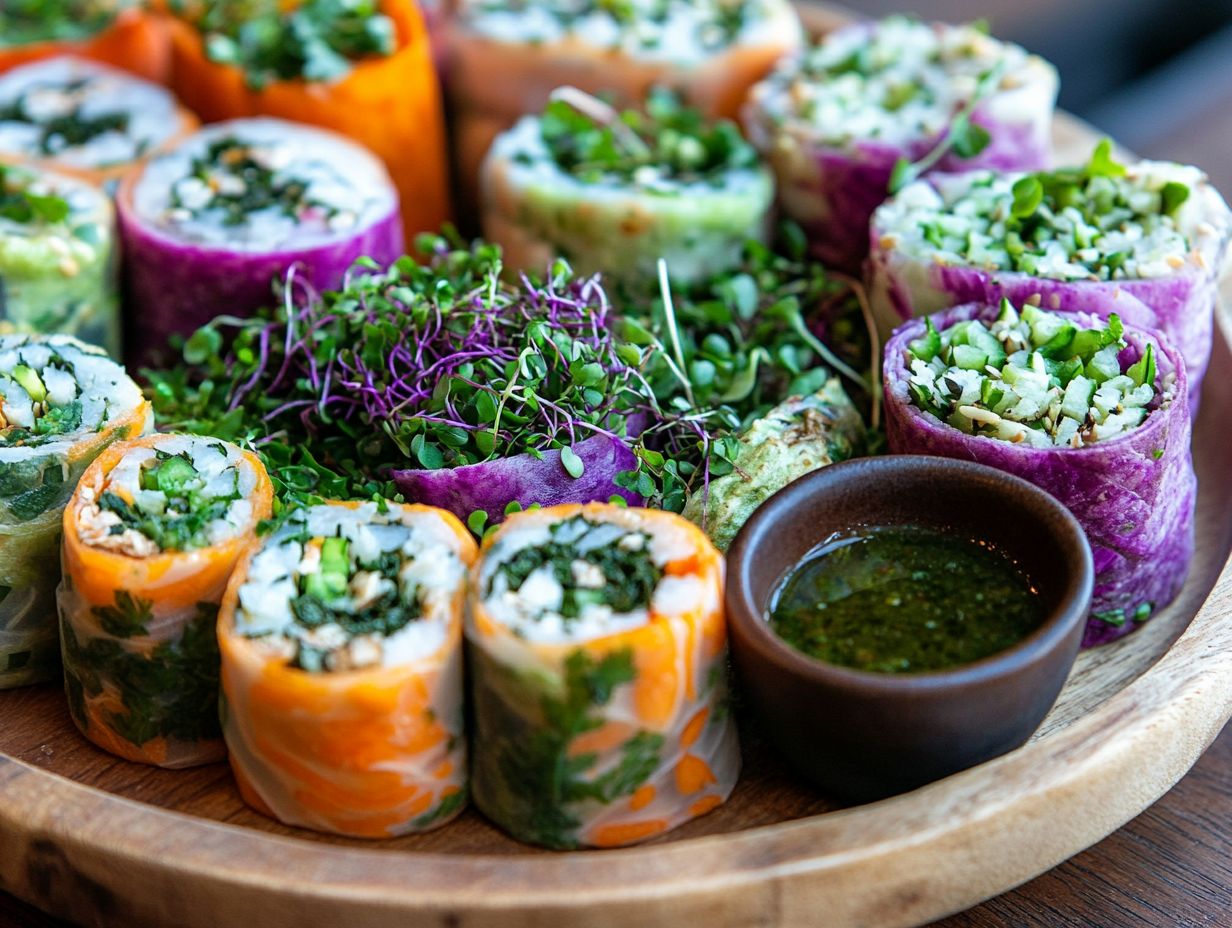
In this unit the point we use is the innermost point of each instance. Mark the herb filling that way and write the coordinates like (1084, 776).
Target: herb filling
(317, 40)
(584, 566)
(27, 201)
(1034, 377)
(234, 180)
(66, 123)
(1101, 221)
(667, 144)
(24, 21)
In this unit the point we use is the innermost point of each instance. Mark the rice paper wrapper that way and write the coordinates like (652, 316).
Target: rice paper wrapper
(1180, 306)
(490, 486)
(608, 741)
(1134, 494)
(174, 287)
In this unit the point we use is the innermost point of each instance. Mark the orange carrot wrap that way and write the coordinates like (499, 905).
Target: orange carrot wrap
(599, 678)
(133, 39)
(505, 58)
(151, 538)
(391, 105)
(341, 643)
(121, 121)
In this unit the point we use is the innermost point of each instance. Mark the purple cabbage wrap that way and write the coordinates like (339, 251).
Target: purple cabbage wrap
(490, 486)
(173, 287)
(831, 191)
(1133, 494)
(1181, 306)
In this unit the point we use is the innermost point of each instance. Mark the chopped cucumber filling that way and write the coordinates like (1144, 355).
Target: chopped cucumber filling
(1031, 376)
(1100, 221)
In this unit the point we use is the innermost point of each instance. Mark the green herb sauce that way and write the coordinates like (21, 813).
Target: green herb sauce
(905, 600)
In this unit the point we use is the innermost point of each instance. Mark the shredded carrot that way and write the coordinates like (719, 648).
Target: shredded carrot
(693, 728)
(643, 797)
(693, 775)
(627, 833)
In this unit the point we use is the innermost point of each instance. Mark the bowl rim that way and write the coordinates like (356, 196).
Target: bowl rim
(1045, 641)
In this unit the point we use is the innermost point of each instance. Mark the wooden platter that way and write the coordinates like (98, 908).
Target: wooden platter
(103, 842)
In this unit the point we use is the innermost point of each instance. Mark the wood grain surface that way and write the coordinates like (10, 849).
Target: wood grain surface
(1171, 866)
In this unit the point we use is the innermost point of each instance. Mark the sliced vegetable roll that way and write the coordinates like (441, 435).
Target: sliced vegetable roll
(1094, 412)
(507, 56)
(151, 537)
(598, 674)
(876, 102)
(614, 192)
(57, 258)
(116, 32)
(801, 434)
(1146, 241)
(61, 403)
(85, 119)
(342, 670)
(209, 226)
(361, 69)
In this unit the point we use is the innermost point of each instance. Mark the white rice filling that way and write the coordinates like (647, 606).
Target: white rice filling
(532, 612)
(897, 81)
(223, 472)
(960, 219)
(69, 372)
(349, 185)
(430, 573)
(62, 87)
(677, 31)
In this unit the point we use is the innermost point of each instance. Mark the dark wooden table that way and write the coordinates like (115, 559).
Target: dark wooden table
(1171, 867)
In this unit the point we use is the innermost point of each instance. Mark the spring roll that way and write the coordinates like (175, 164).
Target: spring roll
(1146, 241)
(61, 403)
(210, 226)
(507, 56)
(1093, 412)
(834, 121)
(77, 117)
(363, 70)
(613, 192)
(151, 536)
(115, 32)
(342, 670)
(57, 258)
(598, 676)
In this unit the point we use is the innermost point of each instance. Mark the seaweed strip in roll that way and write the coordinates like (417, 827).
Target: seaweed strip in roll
(341, 644)
(151, 536)
(598, 676)
(213, 224)
(1093, 412)
(61, 403)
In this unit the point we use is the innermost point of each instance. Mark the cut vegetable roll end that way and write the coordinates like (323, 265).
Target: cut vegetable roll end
(598, 648)
(341, 647)
(57, 258)
(86, 119)
(506, 58)
(218, 221)
(614, 193)
(1146, 241)
(151, 536)
(61, 403)
(835, 121)
(1093, 412)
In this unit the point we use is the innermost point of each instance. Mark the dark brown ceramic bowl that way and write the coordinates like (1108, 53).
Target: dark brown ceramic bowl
(859, 735)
